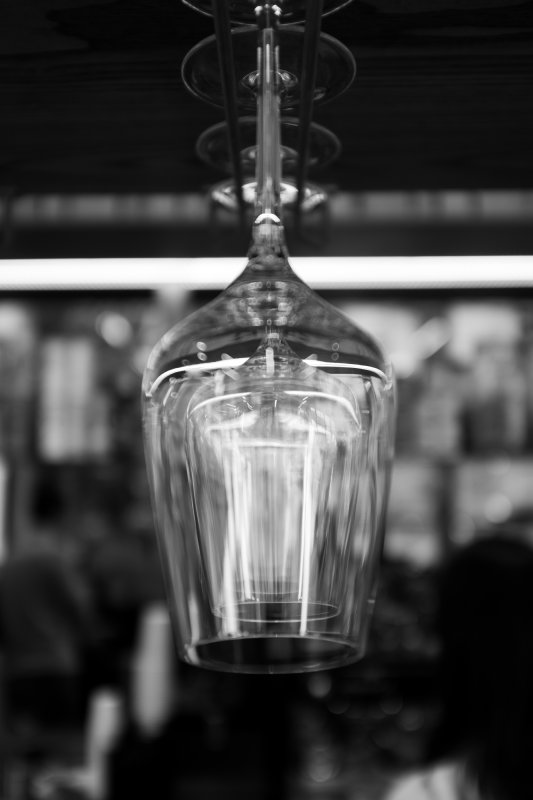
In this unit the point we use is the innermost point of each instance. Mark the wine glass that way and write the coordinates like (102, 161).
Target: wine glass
(212, 146)
(269, 421)
(243, 11)
(202, 76)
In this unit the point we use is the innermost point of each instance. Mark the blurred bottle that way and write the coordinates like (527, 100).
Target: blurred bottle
(438, 411)
(17, 368)
(152, 672)
(496, 413)
(410, 391)
(105, 720)
(528, 376)
(145, 759)
(74, 412)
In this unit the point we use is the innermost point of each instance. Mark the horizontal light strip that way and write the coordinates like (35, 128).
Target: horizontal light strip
(426, 272)
(194, 208)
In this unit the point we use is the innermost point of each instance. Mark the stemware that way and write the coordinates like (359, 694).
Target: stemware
(243, 11)
(203, 78)
(269, 432)
(212, 146)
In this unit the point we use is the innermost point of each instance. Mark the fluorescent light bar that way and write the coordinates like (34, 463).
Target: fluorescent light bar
(320, 273)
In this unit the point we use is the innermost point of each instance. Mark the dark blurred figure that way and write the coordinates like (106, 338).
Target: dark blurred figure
(124, 577)
(483, 744)
(44, 623)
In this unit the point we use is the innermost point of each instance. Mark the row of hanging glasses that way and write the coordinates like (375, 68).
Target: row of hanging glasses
(203, 77)
(268, 415)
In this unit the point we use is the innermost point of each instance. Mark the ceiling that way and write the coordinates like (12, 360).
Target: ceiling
(436, 131)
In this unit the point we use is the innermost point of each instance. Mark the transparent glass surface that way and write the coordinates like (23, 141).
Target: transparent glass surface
(201, 72)
(243, 11)
(268, 423)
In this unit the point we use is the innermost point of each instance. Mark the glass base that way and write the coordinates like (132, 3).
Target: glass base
(202, 77)
(243, 11)
(273, 655)
(213, 146)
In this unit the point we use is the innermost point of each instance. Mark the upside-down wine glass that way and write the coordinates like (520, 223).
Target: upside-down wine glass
(243, 11)
(269, 431)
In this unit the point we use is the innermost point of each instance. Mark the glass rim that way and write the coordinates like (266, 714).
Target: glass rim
(338, 651)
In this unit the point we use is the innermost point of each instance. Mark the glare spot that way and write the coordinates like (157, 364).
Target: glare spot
(498, 508)
(339, 706)
(140, 357)
(392, 705)
(321, 772)
(465, 532)
(411, 719)
(319, 685)
(114, 329)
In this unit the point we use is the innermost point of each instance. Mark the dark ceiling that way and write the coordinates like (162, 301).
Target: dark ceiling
(92, 102)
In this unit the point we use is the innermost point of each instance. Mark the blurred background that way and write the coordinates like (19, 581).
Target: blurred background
(73, 484)
(98, 160)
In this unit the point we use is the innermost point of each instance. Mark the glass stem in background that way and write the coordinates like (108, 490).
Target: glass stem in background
(221, 19)
(313, 22)
(267, 229)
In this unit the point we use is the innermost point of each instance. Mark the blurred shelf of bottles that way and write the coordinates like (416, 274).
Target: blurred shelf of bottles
(71, 368)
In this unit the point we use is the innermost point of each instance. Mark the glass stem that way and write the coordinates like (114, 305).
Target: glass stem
(268, 229)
